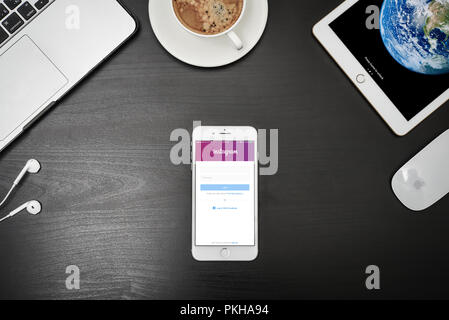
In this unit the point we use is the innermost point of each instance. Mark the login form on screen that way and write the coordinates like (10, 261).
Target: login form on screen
(225, 195)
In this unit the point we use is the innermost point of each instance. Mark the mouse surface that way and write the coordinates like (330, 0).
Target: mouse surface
(424, 180)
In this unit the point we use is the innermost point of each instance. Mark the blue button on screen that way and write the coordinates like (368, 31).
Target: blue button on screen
(224, 187)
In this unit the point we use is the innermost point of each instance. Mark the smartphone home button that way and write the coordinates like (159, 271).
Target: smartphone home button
(225, 253)
(360, 78)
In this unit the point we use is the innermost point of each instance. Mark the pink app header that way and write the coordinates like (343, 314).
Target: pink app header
(224, 151)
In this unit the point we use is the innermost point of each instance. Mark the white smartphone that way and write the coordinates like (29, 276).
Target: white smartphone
(224, 194)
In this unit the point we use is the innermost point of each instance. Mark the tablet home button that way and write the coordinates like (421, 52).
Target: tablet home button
(360, 78)
(225, 253)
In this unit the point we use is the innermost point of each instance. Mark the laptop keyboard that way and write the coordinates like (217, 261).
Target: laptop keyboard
(15, 14)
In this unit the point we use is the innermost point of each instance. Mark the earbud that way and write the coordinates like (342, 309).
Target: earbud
(32, 207)
(32, 166)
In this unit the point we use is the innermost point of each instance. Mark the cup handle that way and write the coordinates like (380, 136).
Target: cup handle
(235, 40)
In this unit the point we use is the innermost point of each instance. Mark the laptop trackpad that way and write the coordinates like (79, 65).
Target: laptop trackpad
(28, 79)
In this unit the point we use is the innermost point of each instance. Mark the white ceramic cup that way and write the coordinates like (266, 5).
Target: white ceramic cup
(228, 32)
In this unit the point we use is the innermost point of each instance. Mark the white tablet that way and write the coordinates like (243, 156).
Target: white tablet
(396, 53)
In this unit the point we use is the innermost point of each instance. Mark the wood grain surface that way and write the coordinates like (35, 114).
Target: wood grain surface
(114, 205)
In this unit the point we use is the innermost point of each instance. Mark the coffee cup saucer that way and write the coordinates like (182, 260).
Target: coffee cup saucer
(207, 52)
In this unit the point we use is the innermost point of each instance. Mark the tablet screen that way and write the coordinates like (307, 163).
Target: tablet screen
(405, 49)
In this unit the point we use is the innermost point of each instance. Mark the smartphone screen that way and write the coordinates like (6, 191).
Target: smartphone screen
(225, 193)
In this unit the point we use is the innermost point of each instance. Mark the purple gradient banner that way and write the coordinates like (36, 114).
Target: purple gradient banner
(224, 151)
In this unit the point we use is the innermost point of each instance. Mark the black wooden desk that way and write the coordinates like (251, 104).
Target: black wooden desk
(116, 207)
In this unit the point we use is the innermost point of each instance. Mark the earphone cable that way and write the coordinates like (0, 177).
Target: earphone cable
(4, 200)
(7, 195)
(4, 218)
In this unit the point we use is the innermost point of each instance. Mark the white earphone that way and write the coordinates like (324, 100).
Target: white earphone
(33, 207)
(32, 166)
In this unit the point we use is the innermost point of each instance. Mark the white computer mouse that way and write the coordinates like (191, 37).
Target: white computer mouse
(424, 180)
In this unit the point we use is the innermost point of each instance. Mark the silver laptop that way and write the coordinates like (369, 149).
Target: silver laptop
(47, 47)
